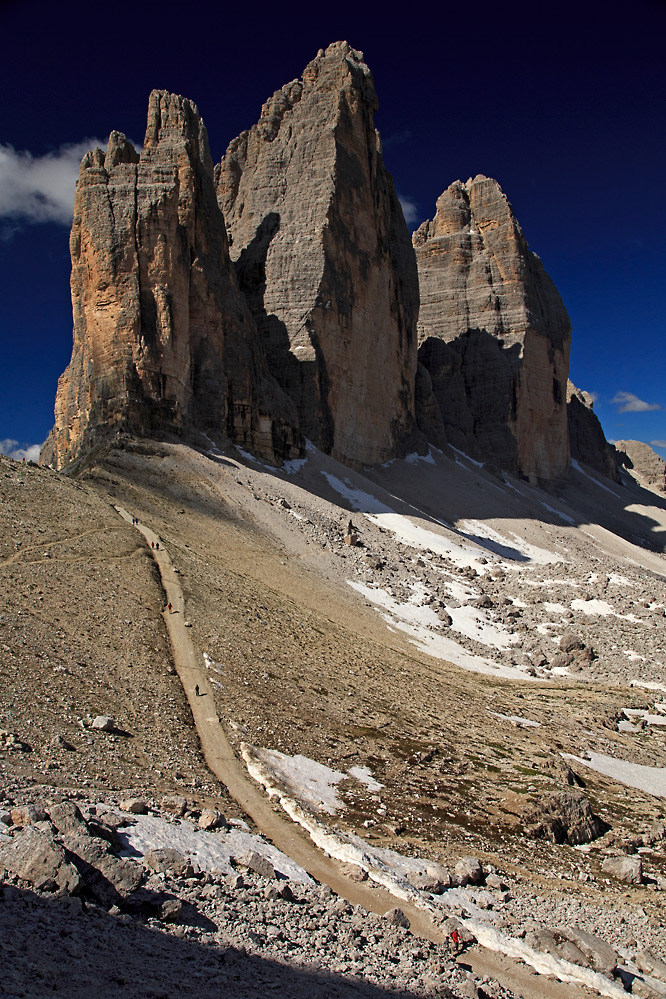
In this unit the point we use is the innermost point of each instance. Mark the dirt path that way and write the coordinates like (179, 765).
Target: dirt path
(287, 836)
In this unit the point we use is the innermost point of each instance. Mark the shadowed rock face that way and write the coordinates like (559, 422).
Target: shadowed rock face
(586, 438)
(324, 256)
(163, 339)
(493, 334)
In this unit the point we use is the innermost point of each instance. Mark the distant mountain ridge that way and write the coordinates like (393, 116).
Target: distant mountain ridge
(277, 298)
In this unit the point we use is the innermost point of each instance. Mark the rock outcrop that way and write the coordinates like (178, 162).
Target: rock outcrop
(163, 339)
(643, 464)
(493, 334)
(324, 256)
(586, 438)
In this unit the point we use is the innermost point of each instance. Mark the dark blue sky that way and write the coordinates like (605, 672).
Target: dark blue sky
(563, 103)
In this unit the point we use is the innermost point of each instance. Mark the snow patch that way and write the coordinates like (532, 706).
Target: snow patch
(652, 780)
(402, 527)
(517, 720)
(593, 607)
(576, 465)
(294, 465)
(479, 464)
(392, 871)
(558, 513)
(255, 461)
(309, 782)
(409, 619)
(414, 459)
(206, 851)
(364, 775)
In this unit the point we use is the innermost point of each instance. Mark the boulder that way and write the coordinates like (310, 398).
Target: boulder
(601, 956)
(396, 917)
(210, 819)
(135, 806)
(34, 855)
(469, 871)
(628, 869)
(174, 804)
(570, 642)
(651, 965)
(168, 861)
(108, 879)
(67, 819)
(27, 815)
(255, 862)
(103, 722)
(562, 817)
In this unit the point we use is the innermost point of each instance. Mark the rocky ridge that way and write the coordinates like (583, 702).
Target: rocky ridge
(494, 335)
(642, 464)
(586, 437)
(323, 254)
(163, 339)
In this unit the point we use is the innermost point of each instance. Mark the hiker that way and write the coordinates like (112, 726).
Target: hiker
(169, 608)
(196, 690)
(158, 546)
(152, 544)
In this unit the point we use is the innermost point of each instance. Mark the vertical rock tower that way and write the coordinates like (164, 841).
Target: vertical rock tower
(324, 257)
(163, 339)
(493, 334)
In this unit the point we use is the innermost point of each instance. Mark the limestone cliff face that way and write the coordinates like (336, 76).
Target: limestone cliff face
(643, 464)
(163, 339)
(493, 334)
(586, 438)
(324, 256)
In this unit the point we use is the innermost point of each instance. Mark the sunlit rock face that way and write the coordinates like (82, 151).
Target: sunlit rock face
(643, 464)
(324, 256)
(493, 334)
(163, 339)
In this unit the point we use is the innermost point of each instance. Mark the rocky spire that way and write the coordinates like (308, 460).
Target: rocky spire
(586, 438)
(163, 340)
(324, 256)
(493, 334)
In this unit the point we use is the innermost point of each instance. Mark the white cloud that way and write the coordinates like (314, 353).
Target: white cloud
(11, 448)
(594, 396)
(657, 443)
(41, 188)
(409, 209)
(630, 403)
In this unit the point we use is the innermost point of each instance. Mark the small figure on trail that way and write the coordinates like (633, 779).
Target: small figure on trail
(196, 690)
(152, 544)
(169, 608)
(350, 527)
(157, 545)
